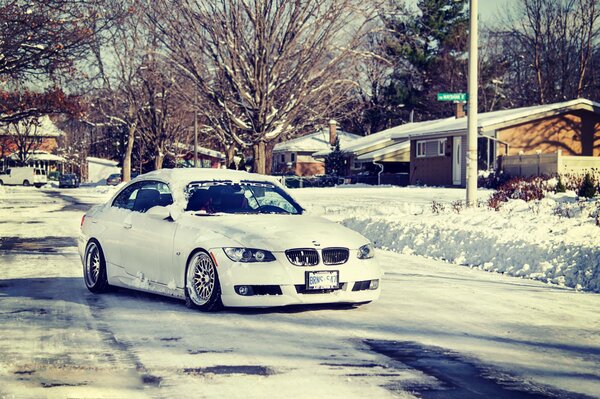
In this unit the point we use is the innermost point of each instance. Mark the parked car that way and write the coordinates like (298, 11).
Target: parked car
(222, 237)
(25, 176)
(68, 180)
(54, 175)
(113, 179)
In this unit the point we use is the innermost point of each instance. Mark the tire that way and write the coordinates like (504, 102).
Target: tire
(94, 268)
(202, 286)
(26, 183)
(1, 183)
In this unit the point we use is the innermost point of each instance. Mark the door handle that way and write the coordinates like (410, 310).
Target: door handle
(127, 225)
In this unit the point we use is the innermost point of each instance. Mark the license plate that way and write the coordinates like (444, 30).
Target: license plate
(322, 280)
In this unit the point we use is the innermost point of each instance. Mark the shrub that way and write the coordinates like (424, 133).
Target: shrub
(493, 181)
(587, 188)
(530, 189)
(560, 186)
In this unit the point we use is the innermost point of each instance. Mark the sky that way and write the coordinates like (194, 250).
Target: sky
(489, 9)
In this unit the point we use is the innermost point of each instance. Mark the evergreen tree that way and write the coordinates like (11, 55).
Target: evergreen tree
(334, 161)
(588, 187)
(560, 186)
(429, 49)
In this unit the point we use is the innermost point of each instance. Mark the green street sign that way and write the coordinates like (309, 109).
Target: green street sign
(461, 97)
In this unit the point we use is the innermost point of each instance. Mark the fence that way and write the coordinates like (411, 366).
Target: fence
(547, 164)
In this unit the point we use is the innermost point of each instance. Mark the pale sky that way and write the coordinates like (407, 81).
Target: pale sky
(489, 9)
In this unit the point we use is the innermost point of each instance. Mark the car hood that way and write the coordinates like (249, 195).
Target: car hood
(280, 232)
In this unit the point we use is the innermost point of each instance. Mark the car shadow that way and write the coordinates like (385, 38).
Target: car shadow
(73, 289)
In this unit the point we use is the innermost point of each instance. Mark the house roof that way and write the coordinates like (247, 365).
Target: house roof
(315, 142)
(102, 161)
(401, 149)
(39, 155)
(201, 150)
(489, 121)
(46, 128)
(380, 139)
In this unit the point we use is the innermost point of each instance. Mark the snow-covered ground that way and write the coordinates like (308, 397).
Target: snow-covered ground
(58, 340)
(554, 240)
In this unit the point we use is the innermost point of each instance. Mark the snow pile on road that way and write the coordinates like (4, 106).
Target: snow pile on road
(554, 240)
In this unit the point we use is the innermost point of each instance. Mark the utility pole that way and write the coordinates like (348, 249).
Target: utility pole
(196, 131)
(472, 107)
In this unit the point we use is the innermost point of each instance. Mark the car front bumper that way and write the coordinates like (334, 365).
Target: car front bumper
(291, 281)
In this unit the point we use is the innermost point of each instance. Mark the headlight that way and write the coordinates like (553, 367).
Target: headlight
(366, 251)
(248, 255)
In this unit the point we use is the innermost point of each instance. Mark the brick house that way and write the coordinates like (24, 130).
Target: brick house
(553, 135)
(297, 155)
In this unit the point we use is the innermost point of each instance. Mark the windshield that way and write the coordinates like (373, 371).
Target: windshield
(244, 197)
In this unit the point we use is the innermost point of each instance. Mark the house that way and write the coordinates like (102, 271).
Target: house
(296, 155)
(558, 138)
(207, 158)
(36, 141)
(379, 158)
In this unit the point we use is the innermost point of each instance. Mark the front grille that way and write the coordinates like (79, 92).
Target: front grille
(335, 256)
(303, 256)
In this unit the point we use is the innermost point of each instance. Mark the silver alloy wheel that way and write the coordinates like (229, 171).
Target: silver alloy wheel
(201, 278)
(92, 264)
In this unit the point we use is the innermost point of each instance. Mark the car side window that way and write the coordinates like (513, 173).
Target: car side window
(126, 199)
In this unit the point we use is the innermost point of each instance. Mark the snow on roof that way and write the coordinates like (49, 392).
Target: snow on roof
(380, 154)
(102, 161)
(379, 138)
(201, 150)
(315, 142)
(46, 128)
(492, 120)
(39, 155)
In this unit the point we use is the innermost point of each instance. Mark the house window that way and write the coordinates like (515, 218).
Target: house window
(421, 147)
(431, 148)
(282, 158)
(293, 157)
(442, 147)
(357, 165)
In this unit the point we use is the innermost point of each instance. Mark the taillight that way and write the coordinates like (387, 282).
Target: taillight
(82, 220)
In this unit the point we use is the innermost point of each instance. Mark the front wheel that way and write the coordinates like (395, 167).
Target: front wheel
(26, 183)
(94, 268)
(203, 290)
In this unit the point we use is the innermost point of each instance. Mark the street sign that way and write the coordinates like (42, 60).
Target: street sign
(462, 97)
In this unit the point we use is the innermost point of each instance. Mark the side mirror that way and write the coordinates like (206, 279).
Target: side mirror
(159, 212)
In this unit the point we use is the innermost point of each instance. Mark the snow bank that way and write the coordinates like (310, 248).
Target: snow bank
(555, 240)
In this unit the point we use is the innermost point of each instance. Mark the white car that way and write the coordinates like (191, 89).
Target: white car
(220, 237)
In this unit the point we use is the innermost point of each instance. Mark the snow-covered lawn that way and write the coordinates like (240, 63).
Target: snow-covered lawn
(554, 240)
(58, 340)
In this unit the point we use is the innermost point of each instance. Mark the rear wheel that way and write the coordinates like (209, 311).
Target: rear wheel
(1, 183)
(94, 268)
(26, 183)
(203, 289)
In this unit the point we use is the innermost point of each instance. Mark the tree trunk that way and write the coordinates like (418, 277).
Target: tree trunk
(128, 151)
(158, 160)
(258, 150)
(229, 154)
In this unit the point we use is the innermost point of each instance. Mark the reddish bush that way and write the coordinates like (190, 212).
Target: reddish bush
(530, 189)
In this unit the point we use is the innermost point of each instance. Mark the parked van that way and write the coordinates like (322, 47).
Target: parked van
(26, 176)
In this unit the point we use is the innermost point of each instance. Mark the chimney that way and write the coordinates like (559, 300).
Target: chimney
(459, 111)
(332, 132)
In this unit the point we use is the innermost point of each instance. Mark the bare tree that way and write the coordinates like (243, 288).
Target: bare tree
(263, 69)
(549, 45)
